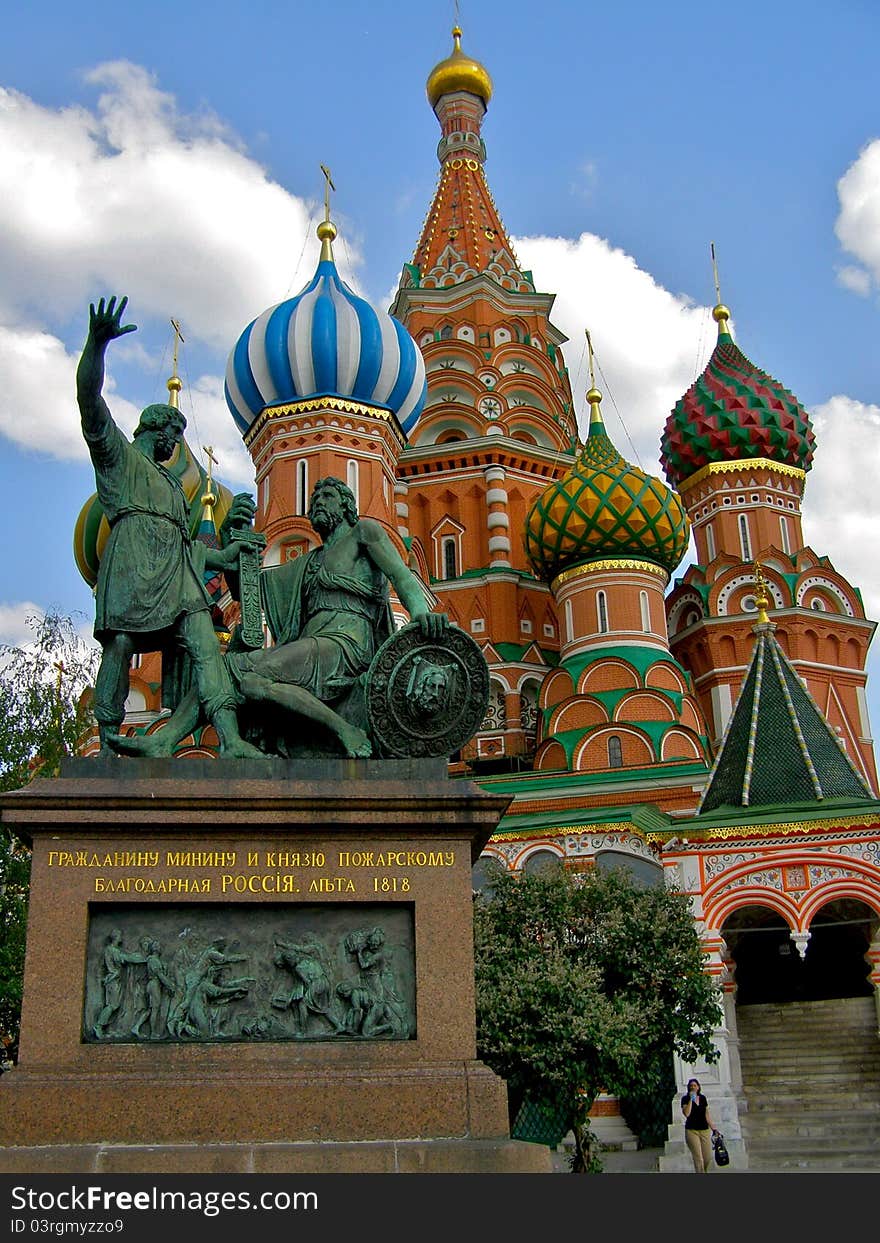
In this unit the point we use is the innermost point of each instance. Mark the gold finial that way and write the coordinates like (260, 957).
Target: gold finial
(594, 397)
(720, 312)
(762, 594)
(210, 497)
(174, 385)
(327, 229)
(458, 72)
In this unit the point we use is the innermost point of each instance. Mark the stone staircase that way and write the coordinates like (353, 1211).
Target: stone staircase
(811, 1078)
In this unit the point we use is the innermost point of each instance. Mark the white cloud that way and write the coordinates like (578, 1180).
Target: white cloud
(858, 222)
(840, 504)
(650, 344)
(38, 404)
(134, 197)
(857, 280)
(15, 629)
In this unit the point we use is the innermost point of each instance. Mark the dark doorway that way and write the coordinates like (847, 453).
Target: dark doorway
(768, 966)
(835, 965)
(770, 969)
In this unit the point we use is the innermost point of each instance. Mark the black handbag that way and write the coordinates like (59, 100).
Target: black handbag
(722, 1156)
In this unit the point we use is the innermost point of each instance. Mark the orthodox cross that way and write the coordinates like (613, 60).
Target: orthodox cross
(178, 340)
(327, 188)
(715, 274)
(210, 498)
(590, 350)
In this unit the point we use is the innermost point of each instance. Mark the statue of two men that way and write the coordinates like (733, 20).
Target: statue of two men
(327, 611)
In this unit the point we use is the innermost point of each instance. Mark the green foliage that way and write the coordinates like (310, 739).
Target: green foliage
(43, 715)
(43, 712)
(587, 984)
(646, 1109)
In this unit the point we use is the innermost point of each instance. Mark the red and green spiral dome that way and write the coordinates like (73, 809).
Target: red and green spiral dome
(734, 411)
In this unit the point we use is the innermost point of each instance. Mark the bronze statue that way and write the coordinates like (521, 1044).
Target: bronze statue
(149, 595)
(328, 613)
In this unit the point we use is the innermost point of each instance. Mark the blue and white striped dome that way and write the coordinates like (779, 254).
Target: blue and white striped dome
(325, 341)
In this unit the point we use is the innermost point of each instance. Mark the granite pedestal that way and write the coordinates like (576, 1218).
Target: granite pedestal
(241, 855)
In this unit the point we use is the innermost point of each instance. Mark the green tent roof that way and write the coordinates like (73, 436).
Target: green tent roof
(778, 748)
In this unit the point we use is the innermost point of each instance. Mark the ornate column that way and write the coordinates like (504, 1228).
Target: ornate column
(497, 520)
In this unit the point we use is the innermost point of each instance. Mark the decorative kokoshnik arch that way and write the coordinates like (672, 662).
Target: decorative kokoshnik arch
(794, 884)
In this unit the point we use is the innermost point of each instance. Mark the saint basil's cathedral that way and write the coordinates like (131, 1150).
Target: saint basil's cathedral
(708, 731)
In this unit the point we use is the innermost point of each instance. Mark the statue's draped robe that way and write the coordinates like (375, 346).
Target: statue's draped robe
(326, 628)
(147, 578)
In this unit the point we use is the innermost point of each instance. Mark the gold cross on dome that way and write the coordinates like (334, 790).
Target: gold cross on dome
(212, 461)
(327, 188)
(178, 340)
(590, 349)
(715, 275)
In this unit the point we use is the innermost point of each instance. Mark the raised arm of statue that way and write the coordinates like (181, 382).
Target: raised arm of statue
(409, 590)
(105, 324)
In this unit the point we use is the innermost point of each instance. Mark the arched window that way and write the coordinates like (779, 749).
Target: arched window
(541, 861)
(710, 542)
(646, 611)
(745, 542)
(449, 566)
(783, 531)
(302, 486)
(602, 611)
(615, 752)
(352, 478)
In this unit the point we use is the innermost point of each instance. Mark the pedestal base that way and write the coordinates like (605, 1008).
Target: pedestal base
(253, 966)
(417, 1156)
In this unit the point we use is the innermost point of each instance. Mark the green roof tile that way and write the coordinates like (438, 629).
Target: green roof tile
(778, 748)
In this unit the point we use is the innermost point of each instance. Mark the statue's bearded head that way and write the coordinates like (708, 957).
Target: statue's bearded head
(166, 424)
(332, 502)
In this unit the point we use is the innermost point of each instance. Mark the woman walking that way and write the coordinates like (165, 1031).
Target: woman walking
(698, 1127)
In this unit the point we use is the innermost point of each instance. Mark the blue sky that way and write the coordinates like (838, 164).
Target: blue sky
(171, 152)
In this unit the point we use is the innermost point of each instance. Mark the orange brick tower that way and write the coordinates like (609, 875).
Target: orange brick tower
(498, 422)
(738, 446)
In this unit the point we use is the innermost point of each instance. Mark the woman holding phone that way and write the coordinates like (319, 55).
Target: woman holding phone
(698, 1127)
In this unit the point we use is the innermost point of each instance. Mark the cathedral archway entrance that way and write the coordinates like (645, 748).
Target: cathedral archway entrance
(835, 963)
(769, 968)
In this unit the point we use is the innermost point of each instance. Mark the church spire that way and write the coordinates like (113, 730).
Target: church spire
(463, 234)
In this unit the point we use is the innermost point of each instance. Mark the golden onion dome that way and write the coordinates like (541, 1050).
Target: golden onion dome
(458, 72)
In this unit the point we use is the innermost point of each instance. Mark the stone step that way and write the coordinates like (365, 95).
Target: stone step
(855, 1057)
(806, 1147)
(815, 1163)
(854, 1075)
(777, 1129)
(792, 1096)
(795, 1059)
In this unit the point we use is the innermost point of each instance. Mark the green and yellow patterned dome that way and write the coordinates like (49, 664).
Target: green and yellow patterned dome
(604, 508)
